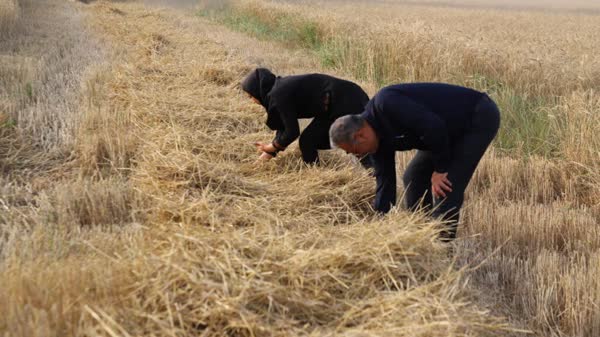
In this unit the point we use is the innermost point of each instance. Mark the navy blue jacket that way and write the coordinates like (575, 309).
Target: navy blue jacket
(424, 116)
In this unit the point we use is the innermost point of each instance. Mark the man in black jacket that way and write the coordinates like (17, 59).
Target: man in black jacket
(450, 126)
(286, 99)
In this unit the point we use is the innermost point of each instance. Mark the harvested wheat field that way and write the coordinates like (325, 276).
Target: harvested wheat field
(9, 14)
(131, 203)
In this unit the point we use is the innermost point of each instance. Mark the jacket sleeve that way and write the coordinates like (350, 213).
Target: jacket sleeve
(291, 128)
(428, 126)
(277, 135)
(385, 172)
(273, 120)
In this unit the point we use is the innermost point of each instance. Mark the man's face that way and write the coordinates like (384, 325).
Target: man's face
(359, 149)
(365, 142)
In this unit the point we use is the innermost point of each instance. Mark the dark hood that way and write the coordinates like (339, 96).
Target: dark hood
(258, 84)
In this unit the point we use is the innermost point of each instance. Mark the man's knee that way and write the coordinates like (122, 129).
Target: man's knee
(448, 208)
(417, 195)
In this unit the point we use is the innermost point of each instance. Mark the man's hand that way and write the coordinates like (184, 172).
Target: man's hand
(440, 184)
(265, 147)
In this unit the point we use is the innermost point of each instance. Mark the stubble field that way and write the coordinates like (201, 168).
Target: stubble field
(131, 204)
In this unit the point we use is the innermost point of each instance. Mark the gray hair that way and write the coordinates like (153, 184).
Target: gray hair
(343, 129)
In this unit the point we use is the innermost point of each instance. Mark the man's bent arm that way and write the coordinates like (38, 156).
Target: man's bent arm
(385, 172)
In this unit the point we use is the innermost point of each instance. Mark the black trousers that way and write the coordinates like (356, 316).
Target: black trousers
(466, 155)
(315, 137)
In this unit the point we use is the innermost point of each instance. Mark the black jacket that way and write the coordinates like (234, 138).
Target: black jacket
(424, 116)
(289, 98)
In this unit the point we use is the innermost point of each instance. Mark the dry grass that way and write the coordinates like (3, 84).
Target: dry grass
(156, 222)
(580, 6)
(54, 220)
(41, 81)
(537, 216)
(416, 43)
(163, 226)
(9, 15)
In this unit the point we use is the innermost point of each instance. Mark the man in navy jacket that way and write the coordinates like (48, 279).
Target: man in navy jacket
(450, 126)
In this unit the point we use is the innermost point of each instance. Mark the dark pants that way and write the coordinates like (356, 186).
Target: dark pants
(316, 137)
(466, 155)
